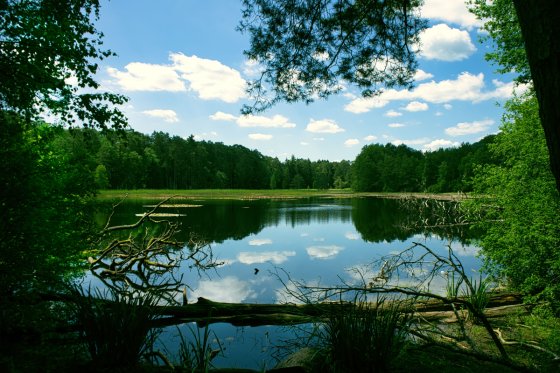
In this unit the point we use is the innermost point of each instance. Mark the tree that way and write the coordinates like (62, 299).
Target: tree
(527, 39)
(519, 206)
(307, 46)
(46, 44)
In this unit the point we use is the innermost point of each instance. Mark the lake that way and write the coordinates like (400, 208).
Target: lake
(259, 245)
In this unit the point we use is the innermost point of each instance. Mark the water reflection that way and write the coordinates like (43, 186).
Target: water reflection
(318, 242)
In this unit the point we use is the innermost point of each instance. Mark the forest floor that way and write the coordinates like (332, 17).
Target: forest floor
(249, 194)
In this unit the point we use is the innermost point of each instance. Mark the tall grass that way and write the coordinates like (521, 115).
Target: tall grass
(196, 355)
(367, 337)
(476, 293)
(115, 328)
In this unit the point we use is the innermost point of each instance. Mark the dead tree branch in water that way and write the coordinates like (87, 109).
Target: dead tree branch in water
(416, 274)
(145, 256)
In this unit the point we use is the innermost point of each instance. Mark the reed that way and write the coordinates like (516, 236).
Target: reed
(196, 353)
(367, 337)
(115, 328)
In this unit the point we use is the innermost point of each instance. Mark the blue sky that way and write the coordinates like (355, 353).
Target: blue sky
(181, 63)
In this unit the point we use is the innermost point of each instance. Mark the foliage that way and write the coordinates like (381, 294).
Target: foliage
(477, 293)
(306, 48)
(46, 44)
(390, 168)
(367, 337)
(502, 26)
(519, 206)
(45, 215)
(116, 328)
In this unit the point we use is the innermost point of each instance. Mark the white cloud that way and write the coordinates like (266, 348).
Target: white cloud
(363, 104)
(467, 87)
(252, 68)
(169, 116)
(276, 257)
(303, 143)
(147, 77)
(440, 143)
(395, 125)
(323, 126)
(351, 142)
(411, 142)
(441, 42)
(260, 242)
(276, 121)
(450, 11)
(448, 106)
(228, 289)
(416, 106)
(469, 128)
(422, 75)
(392, 114)
(370, 138)
(206, 135)
(219, 115)
(249, 121)
(260, 136)
(323, 252)
(318, 139)
(210, 79)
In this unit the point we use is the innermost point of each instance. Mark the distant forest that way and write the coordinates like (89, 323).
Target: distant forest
(131, 160)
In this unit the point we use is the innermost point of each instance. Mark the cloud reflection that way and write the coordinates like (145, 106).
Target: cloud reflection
(260, 242)
(276, 257)
(465, 250)
(352, 236)
(323, 252)
(228, 289)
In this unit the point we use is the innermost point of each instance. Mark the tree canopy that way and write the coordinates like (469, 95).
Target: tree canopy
(527, 39)
(49, 52)
(308, 47)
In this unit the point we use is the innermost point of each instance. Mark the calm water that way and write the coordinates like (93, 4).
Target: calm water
(314, 241)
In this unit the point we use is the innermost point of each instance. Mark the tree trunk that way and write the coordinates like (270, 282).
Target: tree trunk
(540, 26)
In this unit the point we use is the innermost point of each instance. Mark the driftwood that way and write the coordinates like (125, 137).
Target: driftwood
(247, 314)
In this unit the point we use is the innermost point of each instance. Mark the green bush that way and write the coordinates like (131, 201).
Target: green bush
(367, 337)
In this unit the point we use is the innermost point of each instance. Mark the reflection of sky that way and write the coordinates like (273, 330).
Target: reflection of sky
(323, 252)
(228, 289)
(314, 252)
(318, 249)
(276, 257)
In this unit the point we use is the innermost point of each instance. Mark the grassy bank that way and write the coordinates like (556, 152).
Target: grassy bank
(261, 193)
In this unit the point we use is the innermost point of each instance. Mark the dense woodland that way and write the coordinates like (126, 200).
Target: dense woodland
(49, 175)
(131, 160)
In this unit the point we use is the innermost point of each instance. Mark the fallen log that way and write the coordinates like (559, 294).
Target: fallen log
(249, 314)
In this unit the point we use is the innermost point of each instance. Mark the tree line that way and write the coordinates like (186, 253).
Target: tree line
(132, 160)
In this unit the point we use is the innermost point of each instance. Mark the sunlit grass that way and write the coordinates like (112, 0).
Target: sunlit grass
(248, 194)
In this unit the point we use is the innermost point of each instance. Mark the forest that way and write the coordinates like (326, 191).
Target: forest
(131, 160)
(50, 175)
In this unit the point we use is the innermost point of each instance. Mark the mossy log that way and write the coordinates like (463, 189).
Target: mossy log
(247, 314)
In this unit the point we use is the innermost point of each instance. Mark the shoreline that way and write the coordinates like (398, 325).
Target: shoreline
(249, 194)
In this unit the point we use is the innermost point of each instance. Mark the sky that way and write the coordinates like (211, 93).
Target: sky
(181, 64)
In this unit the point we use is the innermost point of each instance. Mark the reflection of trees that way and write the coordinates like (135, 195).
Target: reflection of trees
(143, 257)
(377, 219)
(380, 219)
(383, 219)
